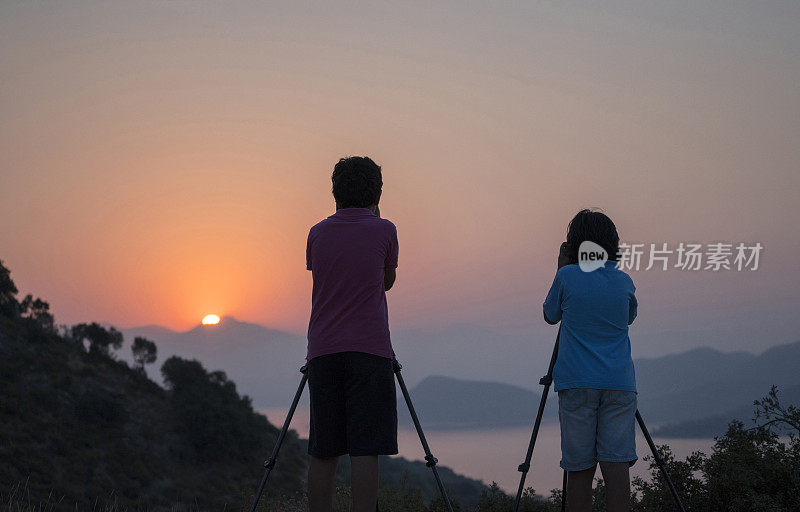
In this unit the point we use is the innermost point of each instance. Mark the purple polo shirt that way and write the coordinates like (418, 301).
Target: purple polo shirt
(347, 254)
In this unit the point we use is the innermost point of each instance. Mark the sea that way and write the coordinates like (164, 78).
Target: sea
(492, 455)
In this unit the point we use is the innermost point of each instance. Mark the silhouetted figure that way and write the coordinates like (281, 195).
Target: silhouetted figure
(353, 256)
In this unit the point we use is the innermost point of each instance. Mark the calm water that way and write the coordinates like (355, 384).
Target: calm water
(493, 455)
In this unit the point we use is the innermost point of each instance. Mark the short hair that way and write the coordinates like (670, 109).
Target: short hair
(357, 182)
(595, 226)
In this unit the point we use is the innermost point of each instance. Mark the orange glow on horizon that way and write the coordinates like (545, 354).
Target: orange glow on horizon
(170, 171)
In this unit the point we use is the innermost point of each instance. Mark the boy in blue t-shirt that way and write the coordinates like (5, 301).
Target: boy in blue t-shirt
(594, 374)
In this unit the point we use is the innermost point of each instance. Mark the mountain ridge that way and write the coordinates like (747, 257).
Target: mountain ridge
(446, 403)
(686, 386)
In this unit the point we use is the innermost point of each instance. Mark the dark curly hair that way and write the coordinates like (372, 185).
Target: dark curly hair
(357, 182)
(596, 227)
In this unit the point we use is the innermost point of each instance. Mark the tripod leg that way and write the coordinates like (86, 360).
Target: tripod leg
(526, 466)
(429, 458)
(270, 463)
(546, 381)
(659, 462)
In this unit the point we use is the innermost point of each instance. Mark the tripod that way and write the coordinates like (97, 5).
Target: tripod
(430, 460)
(546, 381)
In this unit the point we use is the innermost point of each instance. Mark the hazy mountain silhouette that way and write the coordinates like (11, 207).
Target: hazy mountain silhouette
(715, 385)
(263, 362)
(717, 425)
(690, 386)
(448, 403)
(473, 352)
(681, 372)
(695, 394)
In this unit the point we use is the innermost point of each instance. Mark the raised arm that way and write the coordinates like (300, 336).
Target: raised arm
(552, 303)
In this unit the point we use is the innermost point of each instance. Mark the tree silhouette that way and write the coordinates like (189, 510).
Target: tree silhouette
(100, 340)
(777, 418)
(38, 311)
(217, 421)
(8, 291)
(144, 352)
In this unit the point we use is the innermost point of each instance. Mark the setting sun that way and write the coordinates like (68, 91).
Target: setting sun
(210, 320)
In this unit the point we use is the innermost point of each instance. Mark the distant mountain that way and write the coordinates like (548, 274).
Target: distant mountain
(148, 331)
(695, 393)
(263, 362)
(448, 403)
(681, 372)
(701, 384)
(690, 386)
(717, 425)
(474, 352)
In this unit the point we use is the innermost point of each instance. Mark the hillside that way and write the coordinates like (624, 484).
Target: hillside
(84, 427)
(82, 430)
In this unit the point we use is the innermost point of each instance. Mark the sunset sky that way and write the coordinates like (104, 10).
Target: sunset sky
(160, 161)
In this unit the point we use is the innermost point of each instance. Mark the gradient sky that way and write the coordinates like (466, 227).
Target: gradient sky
(164, 160)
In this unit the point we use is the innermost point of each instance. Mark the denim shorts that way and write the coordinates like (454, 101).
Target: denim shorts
(597, 425)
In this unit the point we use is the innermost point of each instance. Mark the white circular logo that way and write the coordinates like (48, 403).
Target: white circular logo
(591, 256)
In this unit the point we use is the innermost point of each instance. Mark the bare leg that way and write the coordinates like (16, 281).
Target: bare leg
(364, 480)
(618, 485)
(321, 479)
(579, 490)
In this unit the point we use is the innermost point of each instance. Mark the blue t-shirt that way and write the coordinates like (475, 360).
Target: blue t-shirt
(595, 309)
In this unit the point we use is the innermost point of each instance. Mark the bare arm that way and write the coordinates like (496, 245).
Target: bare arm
(389, 276)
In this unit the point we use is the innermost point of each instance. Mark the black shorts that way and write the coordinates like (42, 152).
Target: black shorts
(353, 405)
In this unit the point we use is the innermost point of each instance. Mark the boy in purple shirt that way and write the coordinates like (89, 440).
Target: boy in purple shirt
(353, 256)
